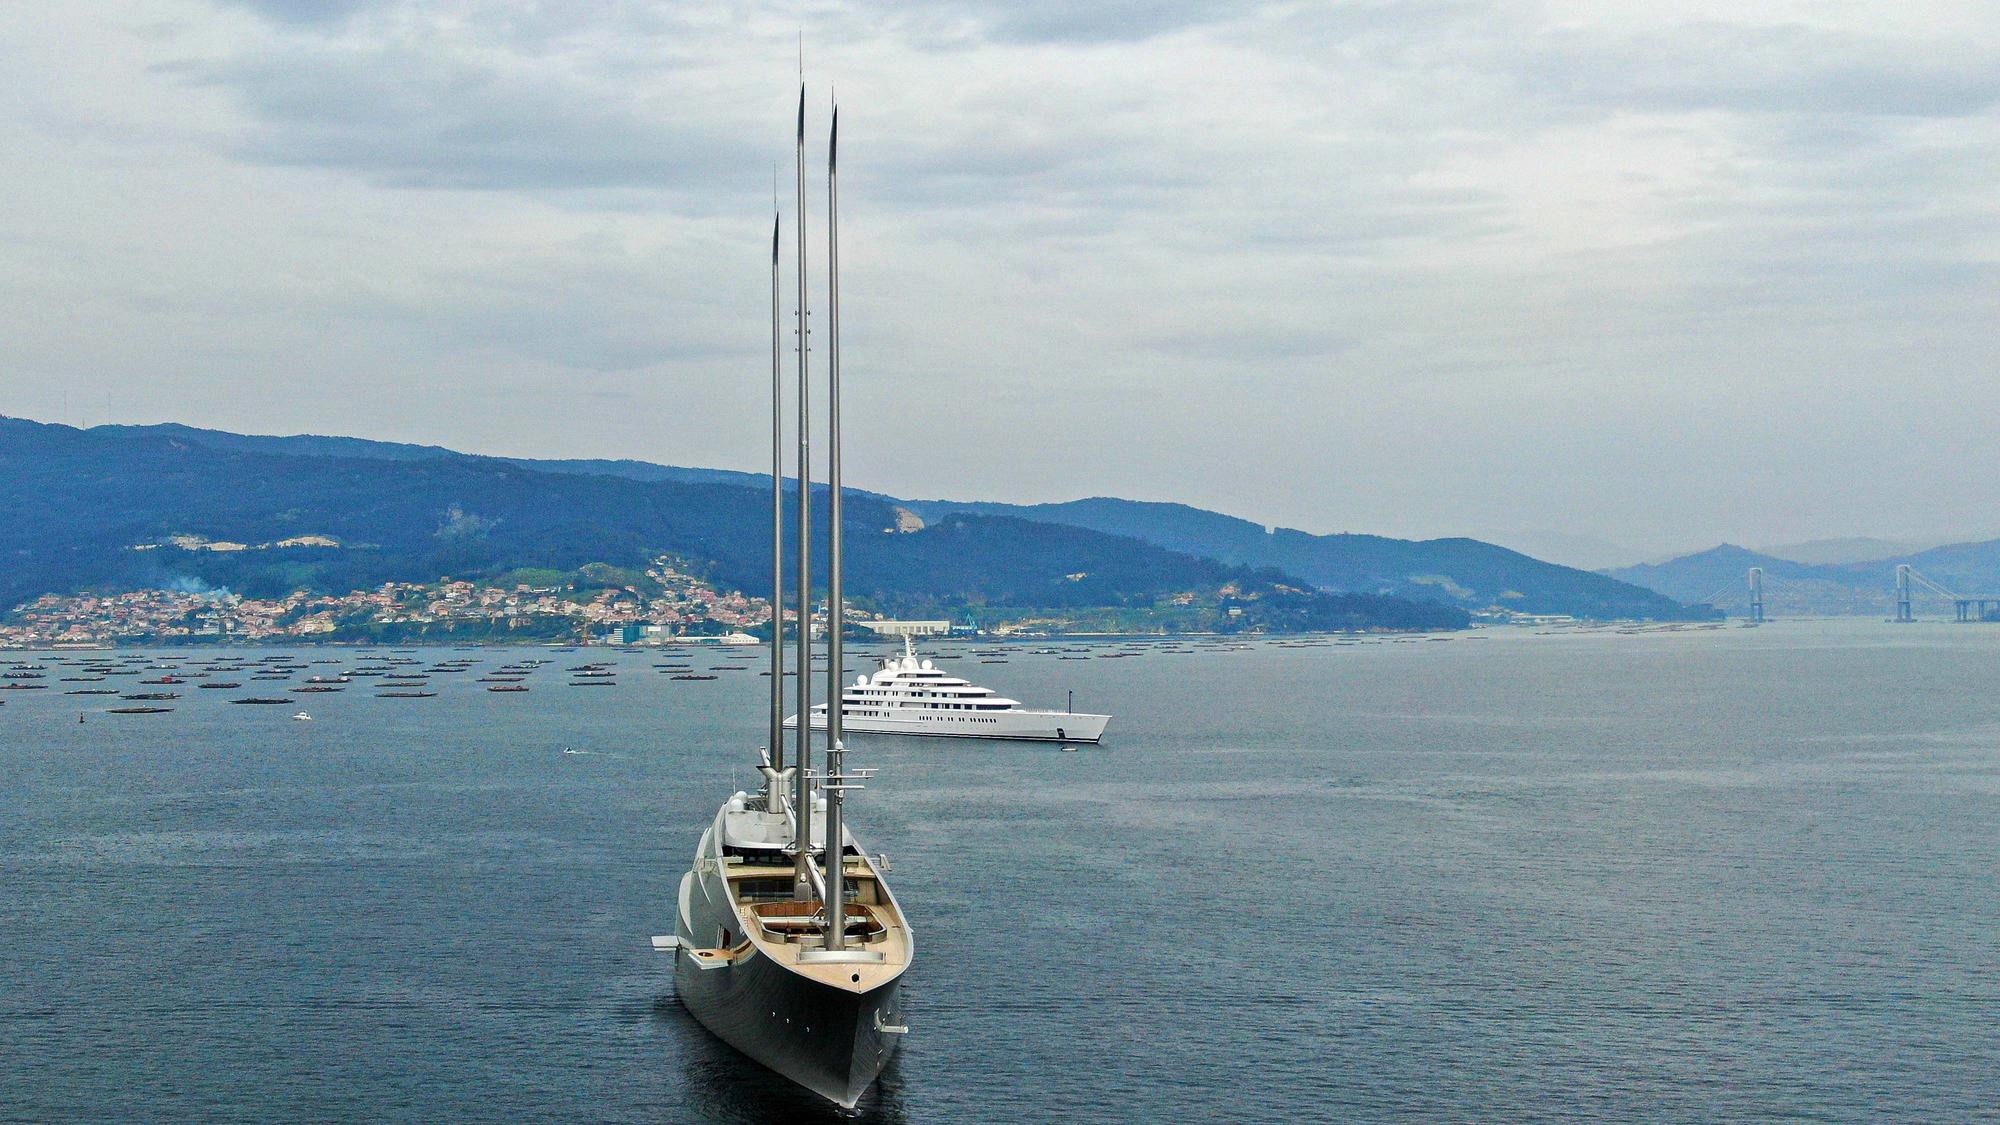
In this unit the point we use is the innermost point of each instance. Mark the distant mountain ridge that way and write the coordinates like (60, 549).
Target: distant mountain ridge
(1719, 569)
(318, 445)
(147, 507)
(1854, 549)
(1469, 572)
(1465, 573)
(1865, 587)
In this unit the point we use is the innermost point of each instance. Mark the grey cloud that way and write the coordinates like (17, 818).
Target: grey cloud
(963, 23)
(1781, 69)
(408, 118)
(1256, 341)
(1103, 21)
(956, 22)
(311, 13)
(1370, 224)
(567, 310)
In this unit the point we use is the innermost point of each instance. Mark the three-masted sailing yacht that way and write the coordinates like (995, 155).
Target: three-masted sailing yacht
(789, 945)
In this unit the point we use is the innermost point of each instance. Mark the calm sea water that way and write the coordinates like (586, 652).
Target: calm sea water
(1737, 874)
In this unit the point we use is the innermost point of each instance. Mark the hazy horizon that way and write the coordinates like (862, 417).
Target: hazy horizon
(1576, 278)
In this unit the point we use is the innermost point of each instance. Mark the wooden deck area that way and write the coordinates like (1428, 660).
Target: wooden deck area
(880, 929)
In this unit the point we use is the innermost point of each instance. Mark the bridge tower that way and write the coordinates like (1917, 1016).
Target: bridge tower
(1757, 594)
(1903, 611)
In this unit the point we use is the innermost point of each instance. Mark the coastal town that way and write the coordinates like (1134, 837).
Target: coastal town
(666, 603)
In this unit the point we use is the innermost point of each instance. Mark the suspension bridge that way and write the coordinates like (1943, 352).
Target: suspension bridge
(1909, 582)
(1966, 607)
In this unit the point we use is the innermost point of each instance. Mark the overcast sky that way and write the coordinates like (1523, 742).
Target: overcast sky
(1652, 274)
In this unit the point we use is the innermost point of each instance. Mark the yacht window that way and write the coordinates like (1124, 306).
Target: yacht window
(762, 890)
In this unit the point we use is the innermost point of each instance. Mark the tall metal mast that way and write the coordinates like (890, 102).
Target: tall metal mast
(836, 862)
(775, 788)
(802, 887)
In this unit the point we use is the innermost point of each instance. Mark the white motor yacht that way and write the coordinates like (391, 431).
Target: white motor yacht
(912, 696)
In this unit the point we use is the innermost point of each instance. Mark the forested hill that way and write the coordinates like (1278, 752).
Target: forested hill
(1720, 571)
(100, 509)
(1467, 572)
(1464, 572)
(318, 445)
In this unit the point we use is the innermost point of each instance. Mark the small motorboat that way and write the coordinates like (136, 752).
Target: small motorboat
(302, 717)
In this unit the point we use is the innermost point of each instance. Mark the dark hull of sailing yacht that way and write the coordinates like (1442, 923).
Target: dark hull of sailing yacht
(827, 1039)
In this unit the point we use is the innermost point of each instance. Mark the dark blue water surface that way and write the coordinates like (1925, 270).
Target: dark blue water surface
(1702, 875)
